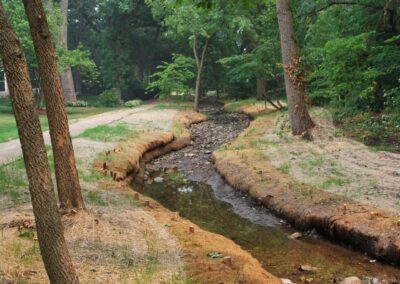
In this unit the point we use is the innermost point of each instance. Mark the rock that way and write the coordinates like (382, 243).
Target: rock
(296, 236)
(207, 152)
(159, 179)
(351, 280)
(286, 281)
(307, 268)
(227, 260)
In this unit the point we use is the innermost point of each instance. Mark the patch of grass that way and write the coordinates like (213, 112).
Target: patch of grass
(95, 198)
(373, 183)
(238, 147)
(173, 105)
(285, 168)
(261, 144)
(237, 106)
(176, 176)
(106, 133)
(334, 181)
(8, 127)
(14, 184)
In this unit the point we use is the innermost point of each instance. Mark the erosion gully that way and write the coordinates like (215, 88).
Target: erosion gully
(186, 181)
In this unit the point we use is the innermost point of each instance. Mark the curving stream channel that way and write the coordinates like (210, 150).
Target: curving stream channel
(185, 181)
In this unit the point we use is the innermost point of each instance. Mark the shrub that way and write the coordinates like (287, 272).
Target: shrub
(78, 103)
(110, 98)
(133, 103)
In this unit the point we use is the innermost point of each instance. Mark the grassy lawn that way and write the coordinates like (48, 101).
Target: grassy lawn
(8, 128)
(106, 133)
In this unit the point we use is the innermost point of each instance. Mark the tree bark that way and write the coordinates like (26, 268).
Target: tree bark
(68, 187)
(300, 119)
(200, 65)
(67, 79)
(52, 243)
(260, 88)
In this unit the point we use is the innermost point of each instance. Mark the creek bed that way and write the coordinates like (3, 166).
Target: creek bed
(188, 183)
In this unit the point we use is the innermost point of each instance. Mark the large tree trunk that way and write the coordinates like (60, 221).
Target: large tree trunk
(52, 243)
(299, 118)
(68, 187)
(200, 65)
(67, 80)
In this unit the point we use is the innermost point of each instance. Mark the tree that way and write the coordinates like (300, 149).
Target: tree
(68, 187)
(300, 119)
(52, 243)
(196, 25)
(67, 80)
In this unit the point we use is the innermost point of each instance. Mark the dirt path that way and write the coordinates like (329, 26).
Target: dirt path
(11, 150)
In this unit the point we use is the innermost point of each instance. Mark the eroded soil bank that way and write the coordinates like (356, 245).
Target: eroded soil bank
(186, 181)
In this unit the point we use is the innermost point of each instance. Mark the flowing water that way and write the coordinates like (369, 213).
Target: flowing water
(193, 188)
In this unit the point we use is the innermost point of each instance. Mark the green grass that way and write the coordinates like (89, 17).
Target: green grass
(285, 168)
(106, 133)
(173, 105)
(237, 105)
(8, 127)
(14, 184)
(334, 181)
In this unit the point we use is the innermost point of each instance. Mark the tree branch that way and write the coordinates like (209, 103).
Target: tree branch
(334, 3)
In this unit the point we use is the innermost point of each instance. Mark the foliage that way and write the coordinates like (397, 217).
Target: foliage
(110, 98)
(133, 103)
(77, 103)
(78, 59)
(173, 78)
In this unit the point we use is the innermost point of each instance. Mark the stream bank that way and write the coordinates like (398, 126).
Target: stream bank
(186, 181)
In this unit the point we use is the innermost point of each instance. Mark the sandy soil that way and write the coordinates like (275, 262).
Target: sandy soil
(336, 164)
(108, 245)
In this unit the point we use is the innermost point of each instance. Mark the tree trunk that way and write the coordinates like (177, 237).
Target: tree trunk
(67, 80)
(68, 187)
(52, 243)
(200, 65)
(260, 89)
(300, 120)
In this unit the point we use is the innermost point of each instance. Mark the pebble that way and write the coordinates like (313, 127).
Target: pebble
(159, 179)
(296, 236)
(286, 281)
(307, 268)
(351, 280)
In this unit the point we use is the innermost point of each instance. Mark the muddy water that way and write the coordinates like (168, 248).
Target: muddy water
(192, 187)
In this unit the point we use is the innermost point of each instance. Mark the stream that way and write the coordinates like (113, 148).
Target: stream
(186, 181)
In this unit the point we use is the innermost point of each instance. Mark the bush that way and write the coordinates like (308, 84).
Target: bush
(133, 103)
(78, 103)
(110, 98)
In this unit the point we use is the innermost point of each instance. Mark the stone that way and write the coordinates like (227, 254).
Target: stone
(227, 260)
(307, 268)
(159, 179)
(351, 280)
(286, 281)
(296, 236)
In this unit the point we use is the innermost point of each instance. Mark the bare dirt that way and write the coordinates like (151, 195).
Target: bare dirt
(335, 163)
